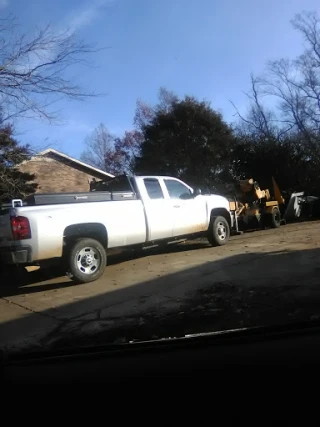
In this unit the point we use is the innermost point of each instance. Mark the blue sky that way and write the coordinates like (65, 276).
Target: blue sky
(204, 48)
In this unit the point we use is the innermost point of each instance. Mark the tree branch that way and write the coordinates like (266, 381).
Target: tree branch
(32, 69)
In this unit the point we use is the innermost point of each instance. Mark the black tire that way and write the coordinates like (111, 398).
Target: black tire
(275, 218)
(218, 231)
(86, 260)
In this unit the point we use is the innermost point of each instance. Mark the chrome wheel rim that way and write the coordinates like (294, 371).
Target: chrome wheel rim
(221, 230)
(88, 260)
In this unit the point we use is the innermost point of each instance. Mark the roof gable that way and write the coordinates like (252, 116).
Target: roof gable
(75, 162)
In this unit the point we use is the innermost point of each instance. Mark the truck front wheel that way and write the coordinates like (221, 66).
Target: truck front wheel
(218, 231)
(87, 260)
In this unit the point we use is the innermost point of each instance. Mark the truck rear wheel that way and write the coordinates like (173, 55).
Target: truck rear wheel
(218, 231)
(87, 260)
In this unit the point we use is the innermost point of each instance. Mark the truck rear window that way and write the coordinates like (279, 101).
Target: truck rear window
(119, 183)
(153, 188)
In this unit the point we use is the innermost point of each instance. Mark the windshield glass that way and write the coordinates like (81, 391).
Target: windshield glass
(110, 244)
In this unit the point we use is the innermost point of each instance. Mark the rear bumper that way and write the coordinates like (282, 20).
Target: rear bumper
(15, 255)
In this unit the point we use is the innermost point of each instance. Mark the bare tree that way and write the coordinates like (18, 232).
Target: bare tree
(145, 113)
(293, 105)
(259, 122)
(127, 149)
(99, 148)
(110, 153)
(293, 87)
(118, 155)
(296, 83)
(33, 70)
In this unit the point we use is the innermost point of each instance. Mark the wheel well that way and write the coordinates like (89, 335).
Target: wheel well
(90, 230)
(221, 212)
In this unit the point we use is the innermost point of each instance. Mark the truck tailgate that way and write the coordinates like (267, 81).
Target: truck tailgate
(12, 251)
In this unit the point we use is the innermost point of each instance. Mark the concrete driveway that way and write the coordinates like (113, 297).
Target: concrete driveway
(261, 277)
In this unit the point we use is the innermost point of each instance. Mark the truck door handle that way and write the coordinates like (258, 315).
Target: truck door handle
(177, 206)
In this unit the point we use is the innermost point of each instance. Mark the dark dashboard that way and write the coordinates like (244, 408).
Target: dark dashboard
(189, 358)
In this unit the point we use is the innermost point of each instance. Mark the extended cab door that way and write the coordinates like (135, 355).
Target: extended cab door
(158, 209)
(189, 213)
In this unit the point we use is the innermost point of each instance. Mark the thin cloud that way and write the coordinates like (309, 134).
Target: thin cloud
(86, 15)
(73, 22)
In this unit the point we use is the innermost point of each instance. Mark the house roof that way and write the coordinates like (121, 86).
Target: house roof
(77, 162)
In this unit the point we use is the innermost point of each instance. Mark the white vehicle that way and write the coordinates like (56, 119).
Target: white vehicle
(79, 228)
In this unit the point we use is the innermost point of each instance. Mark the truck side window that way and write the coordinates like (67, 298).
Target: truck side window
(153, 188)
(177, 190)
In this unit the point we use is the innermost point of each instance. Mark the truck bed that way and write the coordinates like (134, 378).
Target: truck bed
(66, 198)
(116, 189)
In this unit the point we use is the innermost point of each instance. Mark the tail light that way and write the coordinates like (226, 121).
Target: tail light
(20, 228)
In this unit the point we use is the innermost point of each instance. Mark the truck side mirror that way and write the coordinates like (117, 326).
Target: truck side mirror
(196, 192)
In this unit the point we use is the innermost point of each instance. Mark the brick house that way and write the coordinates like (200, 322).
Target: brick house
(58, 173)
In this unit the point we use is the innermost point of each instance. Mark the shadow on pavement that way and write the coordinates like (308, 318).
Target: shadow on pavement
(15, 280)
(251, 289)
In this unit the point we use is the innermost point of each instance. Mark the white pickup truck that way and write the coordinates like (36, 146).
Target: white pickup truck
(79, 228)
